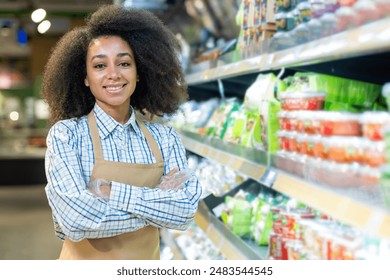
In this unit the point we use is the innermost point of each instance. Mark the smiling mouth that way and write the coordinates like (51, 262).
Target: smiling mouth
(114, 88)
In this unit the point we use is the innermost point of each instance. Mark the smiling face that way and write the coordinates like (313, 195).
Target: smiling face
(111, 74)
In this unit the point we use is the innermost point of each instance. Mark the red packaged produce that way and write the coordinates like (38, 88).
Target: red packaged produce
(287, 120)
(367, 11)
(339, 123)
(302, 100)
(287, 140)
(290, 222)
(374, 153)
(284, 144)
(373, 123)
(307, 122)
(343, 149)
(308, 144)
(347, 18)
(275, 246)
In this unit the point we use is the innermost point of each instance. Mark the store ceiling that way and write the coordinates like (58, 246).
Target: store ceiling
(188, 17)
(76, 6)
(61, 13)
(51, 5)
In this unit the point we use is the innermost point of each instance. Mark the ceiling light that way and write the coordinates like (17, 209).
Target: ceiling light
(141, 4)
(14, 116)
(38, 15)
(44, 26)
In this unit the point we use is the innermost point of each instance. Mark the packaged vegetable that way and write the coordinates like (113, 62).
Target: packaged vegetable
(304, 100)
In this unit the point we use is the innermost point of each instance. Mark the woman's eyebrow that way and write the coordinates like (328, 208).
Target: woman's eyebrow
(124, 54)
(118, 55)
(98, 56)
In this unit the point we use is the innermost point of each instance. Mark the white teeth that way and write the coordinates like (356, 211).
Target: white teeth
(113, 88)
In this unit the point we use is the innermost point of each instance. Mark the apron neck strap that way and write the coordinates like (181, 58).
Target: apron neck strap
(93, 129)
(97, 147)
(152, 143)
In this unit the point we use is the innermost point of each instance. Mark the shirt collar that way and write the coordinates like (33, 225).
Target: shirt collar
(107, 124)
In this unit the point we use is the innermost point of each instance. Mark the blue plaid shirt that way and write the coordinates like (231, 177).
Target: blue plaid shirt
(78, 214)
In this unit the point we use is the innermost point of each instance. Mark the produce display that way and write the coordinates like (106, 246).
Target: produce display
(294, 231)
(281, 24)
(310, 136)
(337, 146)
(340, 143)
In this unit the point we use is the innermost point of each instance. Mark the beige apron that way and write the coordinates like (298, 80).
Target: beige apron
(143, 244)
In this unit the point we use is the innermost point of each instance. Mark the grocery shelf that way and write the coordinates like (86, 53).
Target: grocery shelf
(340, 206)
(248, 161)
(366, 40)
(242, 67)
(346, 209)
(230, 245)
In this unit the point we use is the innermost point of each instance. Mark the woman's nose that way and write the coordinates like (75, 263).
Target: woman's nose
(113, 73)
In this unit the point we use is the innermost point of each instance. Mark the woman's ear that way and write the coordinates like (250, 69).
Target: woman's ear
(86, 82)
(137, 78)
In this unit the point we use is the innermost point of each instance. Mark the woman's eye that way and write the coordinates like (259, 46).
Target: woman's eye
(99, 66)
(124, 64)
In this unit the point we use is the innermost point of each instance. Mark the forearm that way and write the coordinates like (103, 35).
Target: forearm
(84, 215)
(162, 208)
(79, 213)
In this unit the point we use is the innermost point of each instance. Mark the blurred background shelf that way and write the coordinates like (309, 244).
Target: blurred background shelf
(248, 161)
(342, 206)
(230, 245)
(361, 54)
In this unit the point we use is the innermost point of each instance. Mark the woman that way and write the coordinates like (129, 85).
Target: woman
(114, 180)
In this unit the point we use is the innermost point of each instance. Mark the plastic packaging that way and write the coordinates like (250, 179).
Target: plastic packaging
(343, 149)
(95, 186)
(373, 123)
(367, 11)
(309, 145)
(369, 178)
(331, 173)
(307, 121)
(287, 140)
(175, 179)
(305, 11)
(304, 100)
(288, 120)
(374, 153)
(339, 123)
(329, 24)
(347, 18)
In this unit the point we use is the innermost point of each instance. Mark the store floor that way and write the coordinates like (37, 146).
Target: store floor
(26, 228)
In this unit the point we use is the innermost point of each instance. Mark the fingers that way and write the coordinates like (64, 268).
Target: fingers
(173, 171)
(175, 179)
(100, 188)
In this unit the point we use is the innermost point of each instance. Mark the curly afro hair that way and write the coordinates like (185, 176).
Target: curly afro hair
(162, 87)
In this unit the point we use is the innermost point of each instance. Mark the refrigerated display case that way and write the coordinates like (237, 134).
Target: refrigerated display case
(361, 54)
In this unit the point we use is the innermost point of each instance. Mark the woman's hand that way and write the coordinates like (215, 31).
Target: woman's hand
(174, 179)
(100, 188)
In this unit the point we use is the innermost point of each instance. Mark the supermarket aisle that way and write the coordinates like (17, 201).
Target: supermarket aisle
(26, 229)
